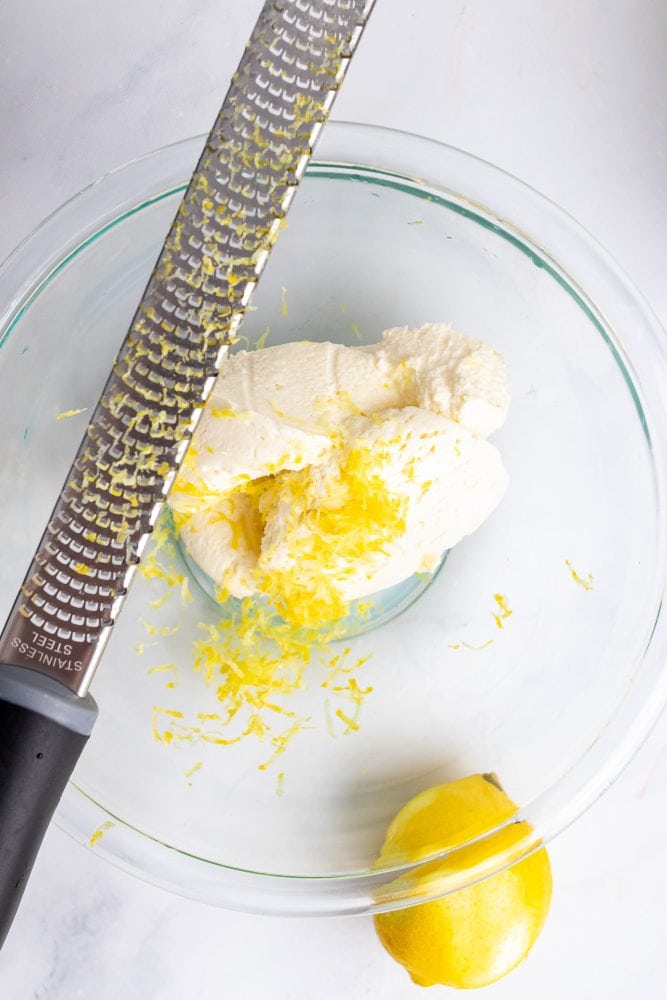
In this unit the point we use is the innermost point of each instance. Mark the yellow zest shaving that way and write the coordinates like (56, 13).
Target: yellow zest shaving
(280, 784)
(70, 413)
(226, 413)
(261, 341)
(280, 744)
(504, 610)
(197, 766)
(161, 668)
(469, 645)
(583, 581)
(352, 724)
(283, 301)
(99, 833)
(164, 734)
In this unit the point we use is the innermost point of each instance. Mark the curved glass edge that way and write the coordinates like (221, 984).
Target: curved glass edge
(637, 713)
(55, 270)
(372, 891)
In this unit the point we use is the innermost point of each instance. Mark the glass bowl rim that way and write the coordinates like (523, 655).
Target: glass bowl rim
(588, 269)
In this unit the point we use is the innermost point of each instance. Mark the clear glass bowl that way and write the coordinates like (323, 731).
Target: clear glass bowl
(388, 229)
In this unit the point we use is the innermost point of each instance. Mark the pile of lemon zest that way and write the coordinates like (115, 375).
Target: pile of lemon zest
(99, 833)
(359, 519)
(257, 656)
(583, 581)
(254, 661)
(70, 413)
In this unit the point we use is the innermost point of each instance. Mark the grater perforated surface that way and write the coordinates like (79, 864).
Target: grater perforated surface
(217, 246)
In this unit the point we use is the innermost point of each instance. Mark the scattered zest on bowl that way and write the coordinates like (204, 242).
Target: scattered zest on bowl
(319, 476)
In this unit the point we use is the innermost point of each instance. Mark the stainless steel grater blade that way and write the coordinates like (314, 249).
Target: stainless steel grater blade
(218, 244)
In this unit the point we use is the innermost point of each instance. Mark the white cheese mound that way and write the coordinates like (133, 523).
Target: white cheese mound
(277, 455)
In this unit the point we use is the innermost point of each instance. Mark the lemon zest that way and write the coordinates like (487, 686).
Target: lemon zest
(99, 833)
(470, 645)
(197, 766)
(254, 660)
(583, 581)
(504, 610)
(352, 724)
(70, 413)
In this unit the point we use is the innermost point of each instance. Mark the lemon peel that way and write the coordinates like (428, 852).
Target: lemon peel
(477, 934)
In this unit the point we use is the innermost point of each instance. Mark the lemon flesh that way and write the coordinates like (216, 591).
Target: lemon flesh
(476, 935)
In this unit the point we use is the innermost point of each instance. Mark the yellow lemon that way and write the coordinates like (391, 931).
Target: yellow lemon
(475, 935)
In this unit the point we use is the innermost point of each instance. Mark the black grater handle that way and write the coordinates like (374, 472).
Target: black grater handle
(37, 756)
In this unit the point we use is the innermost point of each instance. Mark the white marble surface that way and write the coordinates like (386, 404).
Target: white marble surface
(570, 95)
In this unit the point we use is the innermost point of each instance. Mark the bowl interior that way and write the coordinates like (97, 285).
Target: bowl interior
(455, 684)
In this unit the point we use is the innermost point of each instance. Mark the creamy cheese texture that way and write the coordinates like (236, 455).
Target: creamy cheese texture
(321, 473)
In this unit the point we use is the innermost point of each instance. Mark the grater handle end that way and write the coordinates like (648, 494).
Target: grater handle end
(37, 756)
